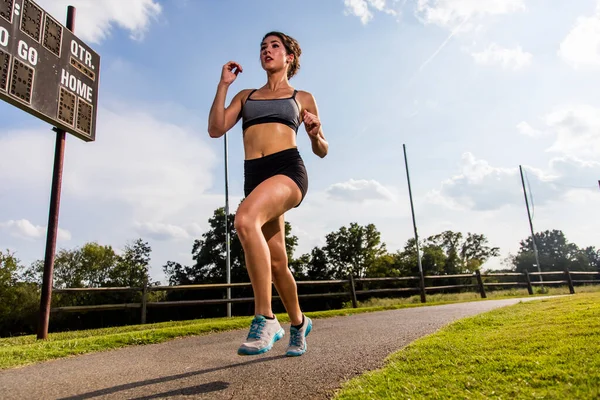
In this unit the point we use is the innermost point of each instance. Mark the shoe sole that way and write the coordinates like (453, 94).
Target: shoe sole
(248, 352)
(299, 353)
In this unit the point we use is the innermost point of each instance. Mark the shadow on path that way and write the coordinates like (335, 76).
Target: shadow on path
(205, 388)
(189, 391)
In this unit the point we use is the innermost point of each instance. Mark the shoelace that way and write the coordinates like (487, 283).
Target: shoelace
(295, 337)
(256, 329)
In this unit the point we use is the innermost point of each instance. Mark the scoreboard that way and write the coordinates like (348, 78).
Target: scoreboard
(46, 70)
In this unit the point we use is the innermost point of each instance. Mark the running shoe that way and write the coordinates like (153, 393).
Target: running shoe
(263, 334)
(297, 345)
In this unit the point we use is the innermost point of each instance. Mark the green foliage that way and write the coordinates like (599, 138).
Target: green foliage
(94, 265)
(353, 249)
(447, 253)
(18, 300)
(555, 253)
(131, 268)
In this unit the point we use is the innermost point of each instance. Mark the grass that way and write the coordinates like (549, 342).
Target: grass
(24, 350)
(546, 349)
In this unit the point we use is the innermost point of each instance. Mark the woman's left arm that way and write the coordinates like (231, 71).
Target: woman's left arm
(312, 124)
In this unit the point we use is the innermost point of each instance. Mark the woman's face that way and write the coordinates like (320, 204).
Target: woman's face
(273, 56)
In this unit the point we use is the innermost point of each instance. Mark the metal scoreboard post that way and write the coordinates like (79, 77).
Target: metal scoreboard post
(46, 70)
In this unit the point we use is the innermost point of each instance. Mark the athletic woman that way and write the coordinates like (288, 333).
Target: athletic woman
(275, 181)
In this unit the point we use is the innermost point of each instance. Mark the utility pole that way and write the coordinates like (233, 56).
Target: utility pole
(227, 257)
(422, 278)
(535, 251)
(52, 232)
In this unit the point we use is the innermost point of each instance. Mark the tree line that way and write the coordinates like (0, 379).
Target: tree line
(354, 249)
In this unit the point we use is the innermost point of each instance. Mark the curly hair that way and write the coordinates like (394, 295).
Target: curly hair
(292, 47)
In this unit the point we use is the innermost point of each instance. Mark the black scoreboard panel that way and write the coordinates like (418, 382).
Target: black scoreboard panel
(46, 70)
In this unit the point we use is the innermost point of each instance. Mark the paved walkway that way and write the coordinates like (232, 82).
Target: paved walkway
(207, 367)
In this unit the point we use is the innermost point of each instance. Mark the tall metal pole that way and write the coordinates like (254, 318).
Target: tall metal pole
(228, 259)
(537, 259)
(412, 209)
(59, 152)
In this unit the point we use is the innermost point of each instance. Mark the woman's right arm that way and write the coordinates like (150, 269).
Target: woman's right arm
(222, 119)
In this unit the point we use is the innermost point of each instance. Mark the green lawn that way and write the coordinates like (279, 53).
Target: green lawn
(547, 349)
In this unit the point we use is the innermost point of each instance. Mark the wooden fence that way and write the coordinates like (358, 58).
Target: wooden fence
(478, 283)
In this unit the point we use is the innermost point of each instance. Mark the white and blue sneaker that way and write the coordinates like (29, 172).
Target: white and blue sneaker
(297, 345)
(263, 334)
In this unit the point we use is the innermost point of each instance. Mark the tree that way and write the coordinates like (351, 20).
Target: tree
(9, 268)
(353, 249)
(591, 260)
(18, 300)
(555, 253)
(434, 260)
(386, 265)
(88, 266)
(318, 267)
(131, 269)
(463, 255)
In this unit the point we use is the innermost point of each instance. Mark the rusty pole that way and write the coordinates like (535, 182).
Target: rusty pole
(52, 232)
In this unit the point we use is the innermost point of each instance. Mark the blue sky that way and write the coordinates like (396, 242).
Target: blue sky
(474, 88)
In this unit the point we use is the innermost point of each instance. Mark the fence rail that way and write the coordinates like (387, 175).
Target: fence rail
(351, 293)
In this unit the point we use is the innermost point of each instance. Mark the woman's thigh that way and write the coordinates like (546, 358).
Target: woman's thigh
(269, 200)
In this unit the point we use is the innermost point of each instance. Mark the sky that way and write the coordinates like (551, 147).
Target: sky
(472, 88)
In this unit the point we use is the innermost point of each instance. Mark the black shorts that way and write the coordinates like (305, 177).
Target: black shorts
(286, 162)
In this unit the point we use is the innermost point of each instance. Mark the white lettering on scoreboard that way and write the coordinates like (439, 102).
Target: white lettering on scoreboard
(4, 36)
(76, 86)
(85, 56)
(27, 53)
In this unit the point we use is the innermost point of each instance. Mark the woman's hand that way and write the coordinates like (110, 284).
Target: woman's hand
(312, 124)
(230, 72)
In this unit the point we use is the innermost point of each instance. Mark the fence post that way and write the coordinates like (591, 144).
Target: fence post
(569, 281)
(480, 282)
(144, 300)
(528, 278)
(353, 291)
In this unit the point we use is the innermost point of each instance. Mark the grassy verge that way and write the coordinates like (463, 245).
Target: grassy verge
(548, 349)
(23, 350)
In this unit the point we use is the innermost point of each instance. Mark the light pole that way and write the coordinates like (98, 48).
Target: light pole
(227, 257)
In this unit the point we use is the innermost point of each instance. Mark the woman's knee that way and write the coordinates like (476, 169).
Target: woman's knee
(245, 224)
(279, 268)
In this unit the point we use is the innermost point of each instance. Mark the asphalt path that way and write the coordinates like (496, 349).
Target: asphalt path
(208, 367)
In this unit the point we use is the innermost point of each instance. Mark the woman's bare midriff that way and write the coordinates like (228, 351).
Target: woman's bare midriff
(264, 139)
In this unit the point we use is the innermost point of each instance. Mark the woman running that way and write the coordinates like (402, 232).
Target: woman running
(275, 181)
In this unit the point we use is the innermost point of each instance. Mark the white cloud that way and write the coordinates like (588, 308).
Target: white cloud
(359, 191)
(452, 13)
(141, 169)
(157, 168)
(581, 47)
(514, 59)
(139, 166)
(161, 231)
(577, 129)
(24, 229)
(364, 8)
(525, 129)
(95, 19)
(482, 187)
(478, 186)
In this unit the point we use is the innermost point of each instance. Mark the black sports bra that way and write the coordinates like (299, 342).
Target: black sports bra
(285, 111)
